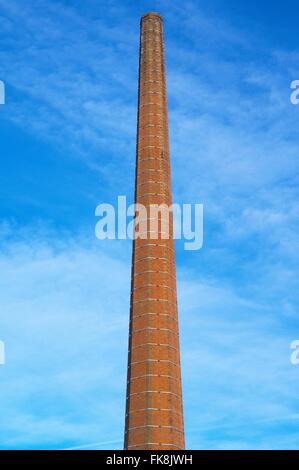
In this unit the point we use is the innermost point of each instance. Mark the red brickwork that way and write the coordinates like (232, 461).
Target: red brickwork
(154, 412)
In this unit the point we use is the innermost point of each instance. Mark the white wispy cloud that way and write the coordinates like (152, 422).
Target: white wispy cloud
(64, 308)
(237, 378)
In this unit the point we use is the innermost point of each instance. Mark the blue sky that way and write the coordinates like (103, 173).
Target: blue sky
(68, 143)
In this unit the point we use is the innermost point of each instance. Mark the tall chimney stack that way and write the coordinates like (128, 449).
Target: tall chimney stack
(154, 411)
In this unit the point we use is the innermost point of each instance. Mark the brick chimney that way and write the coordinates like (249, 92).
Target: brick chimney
(154, 412)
